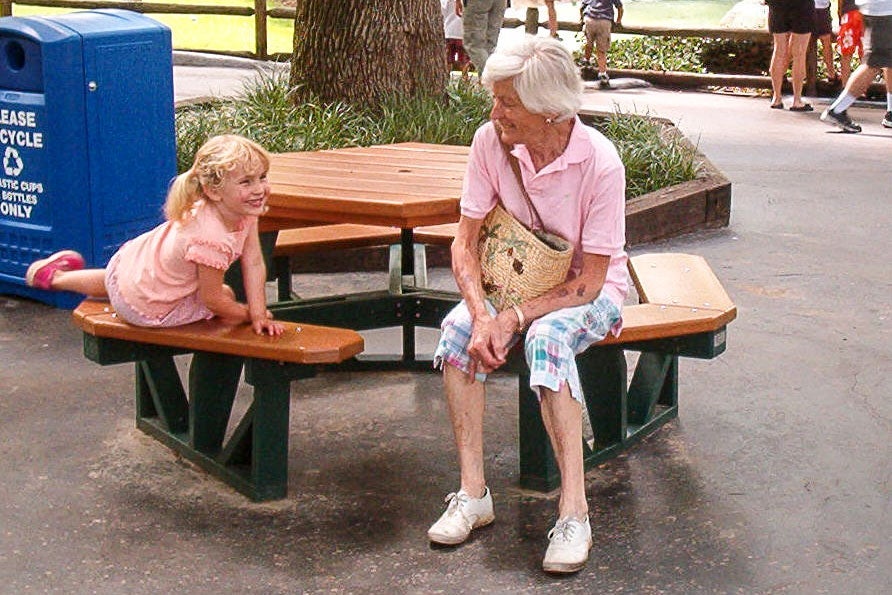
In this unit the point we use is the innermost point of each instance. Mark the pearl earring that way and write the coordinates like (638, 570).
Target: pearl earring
(549, 121)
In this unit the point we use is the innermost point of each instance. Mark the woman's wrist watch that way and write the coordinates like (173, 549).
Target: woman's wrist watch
(521, 320)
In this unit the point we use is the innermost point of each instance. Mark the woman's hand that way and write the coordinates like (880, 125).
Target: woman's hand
(490, 339)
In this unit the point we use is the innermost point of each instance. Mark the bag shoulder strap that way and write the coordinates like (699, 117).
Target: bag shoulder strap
(515, 167)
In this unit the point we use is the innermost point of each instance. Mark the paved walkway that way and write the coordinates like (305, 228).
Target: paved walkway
(775, 478)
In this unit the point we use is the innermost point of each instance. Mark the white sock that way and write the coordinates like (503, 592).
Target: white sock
(842, 103)
(889, 102)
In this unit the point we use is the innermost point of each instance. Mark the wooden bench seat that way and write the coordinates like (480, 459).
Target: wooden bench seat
(320, 238)
(440, 235)
(344, 236)
(335, 236)
(255, 458)
(678, 294)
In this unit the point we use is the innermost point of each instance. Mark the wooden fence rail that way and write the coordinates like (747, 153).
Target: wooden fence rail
(261, 13)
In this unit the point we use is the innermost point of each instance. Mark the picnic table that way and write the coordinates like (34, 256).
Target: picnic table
(403, 186)
(683, 312)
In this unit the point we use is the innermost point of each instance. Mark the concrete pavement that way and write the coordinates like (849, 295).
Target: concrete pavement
(774, 479)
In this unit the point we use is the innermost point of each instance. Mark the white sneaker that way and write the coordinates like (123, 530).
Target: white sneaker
(570, 541)
(463, 514)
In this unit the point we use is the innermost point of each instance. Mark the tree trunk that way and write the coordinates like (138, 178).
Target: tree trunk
(360, 52)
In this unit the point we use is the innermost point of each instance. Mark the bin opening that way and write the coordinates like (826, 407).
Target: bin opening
(15, 56)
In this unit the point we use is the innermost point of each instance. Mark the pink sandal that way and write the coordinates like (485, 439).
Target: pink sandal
(40, 273)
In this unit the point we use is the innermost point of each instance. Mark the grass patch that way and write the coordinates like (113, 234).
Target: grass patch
(222, 33)
(236, 34)
(265, 114)
(675, 13)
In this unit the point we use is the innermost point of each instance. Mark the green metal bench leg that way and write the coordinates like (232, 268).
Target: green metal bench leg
(258, 448)
(160, 394)
(655, 381)
(602, 374)
(213, 384)
(272, 400)
(603, 377)
(538, 469)
(282, 274)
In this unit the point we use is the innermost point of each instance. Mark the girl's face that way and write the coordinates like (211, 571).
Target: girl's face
(242, 193)
(516, 124)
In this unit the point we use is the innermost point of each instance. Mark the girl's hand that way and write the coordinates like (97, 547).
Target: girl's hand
(267, 324)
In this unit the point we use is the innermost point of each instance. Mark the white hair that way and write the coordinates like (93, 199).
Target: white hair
(545, 77)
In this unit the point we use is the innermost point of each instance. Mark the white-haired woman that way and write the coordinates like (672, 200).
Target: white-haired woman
(576, 181)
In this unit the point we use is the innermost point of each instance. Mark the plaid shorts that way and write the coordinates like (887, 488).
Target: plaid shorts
(551, 344)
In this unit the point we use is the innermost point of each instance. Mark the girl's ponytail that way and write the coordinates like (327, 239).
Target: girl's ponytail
(184, 192)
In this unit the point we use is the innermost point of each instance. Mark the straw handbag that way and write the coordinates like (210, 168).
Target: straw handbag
(518, 264)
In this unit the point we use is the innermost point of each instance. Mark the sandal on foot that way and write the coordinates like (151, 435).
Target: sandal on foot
(777, 106)
(805, 107)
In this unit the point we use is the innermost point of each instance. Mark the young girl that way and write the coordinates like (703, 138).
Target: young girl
(173, 274)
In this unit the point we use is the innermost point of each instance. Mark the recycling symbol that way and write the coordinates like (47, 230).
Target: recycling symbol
(12, 163)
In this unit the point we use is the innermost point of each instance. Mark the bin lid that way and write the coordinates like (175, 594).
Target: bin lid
(34, 29)
(104, 21)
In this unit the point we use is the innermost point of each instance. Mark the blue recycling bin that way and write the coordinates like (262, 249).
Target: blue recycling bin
(86, 137)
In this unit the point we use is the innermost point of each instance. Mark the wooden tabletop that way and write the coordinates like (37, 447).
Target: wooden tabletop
(403, 185)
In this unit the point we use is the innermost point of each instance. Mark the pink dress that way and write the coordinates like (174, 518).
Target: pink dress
(153, 279)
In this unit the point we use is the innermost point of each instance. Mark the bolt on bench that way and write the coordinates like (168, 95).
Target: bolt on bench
(255, 458)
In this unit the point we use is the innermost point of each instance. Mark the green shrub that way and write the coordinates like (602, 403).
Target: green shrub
(265, 114)
(690, 54)
(652, 158)
(736, 56)
(679, 54)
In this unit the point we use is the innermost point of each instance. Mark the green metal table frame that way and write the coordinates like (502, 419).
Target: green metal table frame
(254, 460)
(620, 412)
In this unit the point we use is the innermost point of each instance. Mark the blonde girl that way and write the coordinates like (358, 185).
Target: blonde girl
(173, 274)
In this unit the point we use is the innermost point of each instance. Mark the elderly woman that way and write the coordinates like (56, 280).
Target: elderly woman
(576, 181)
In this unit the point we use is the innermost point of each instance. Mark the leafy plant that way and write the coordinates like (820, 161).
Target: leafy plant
(690, 54)
(265, 114)
(653, 158)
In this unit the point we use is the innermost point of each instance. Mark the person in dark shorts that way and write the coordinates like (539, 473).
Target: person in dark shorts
(823, 32)
(790, 23)
(877, 40)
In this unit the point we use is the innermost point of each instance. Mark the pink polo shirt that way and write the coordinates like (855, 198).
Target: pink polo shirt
(580, 196)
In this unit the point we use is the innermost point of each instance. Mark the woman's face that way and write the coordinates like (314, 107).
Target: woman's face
(516, 123)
